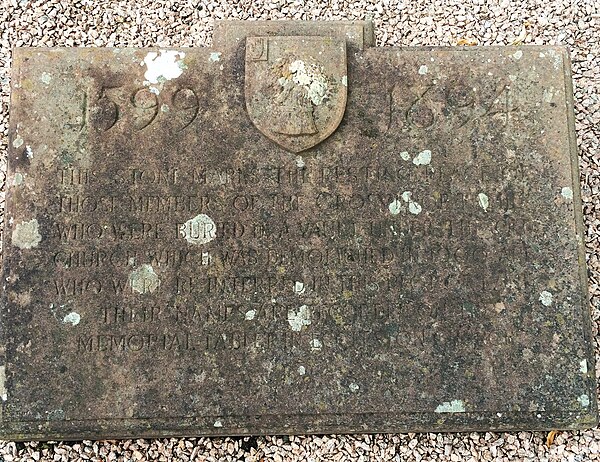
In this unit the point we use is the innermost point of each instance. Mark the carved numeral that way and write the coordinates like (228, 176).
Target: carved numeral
(458, 102)
(187, 105)
(410, 108)
(111, 105)
(145, 105)
(80, 120)
(498, 106)
(104, 112)
(419, 114)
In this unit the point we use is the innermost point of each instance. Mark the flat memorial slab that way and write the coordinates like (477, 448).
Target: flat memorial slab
(293, 232)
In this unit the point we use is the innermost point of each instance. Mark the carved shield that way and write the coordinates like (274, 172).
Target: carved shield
(296, 88)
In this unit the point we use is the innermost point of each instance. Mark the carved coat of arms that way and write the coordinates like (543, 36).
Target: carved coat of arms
(296, 88)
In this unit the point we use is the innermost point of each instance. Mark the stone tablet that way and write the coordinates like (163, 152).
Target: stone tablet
(293, 232)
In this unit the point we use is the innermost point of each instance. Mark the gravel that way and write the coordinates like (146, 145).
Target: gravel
(575, 23)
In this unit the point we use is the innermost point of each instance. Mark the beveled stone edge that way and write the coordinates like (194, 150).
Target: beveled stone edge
(301, 424)
(581, 232)
(240, 29)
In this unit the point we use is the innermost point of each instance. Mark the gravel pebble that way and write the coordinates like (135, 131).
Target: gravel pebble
(165, 23)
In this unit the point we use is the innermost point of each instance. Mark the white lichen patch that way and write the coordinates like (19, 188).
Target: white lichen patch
(199, 230)
(413, 206)
(567, 193)
(453, 406)
(299, 319)
(72, 318)
(546, 298)
(18, 179)
(143, 279)
(163, 66)
(301, 370)
(484, 201)
(214, 56)
(583, 368)
(405, 155)
(345, 80)
(218, 424)
(316, 345)
(206, 258)
(250, 315)
(299, 288)
(548, 94)
(584, 400)
(29, 152)
(3, 391)
(395, 207)
(353, 387)
(46, 78)
(26, 234)
(423, 158)
(517, 54)
(423, 69)
(300, 162)
(17, 142)
(310, 78)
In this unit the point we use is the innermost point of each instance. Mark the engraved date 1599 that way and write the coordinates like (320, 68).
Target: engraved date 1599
(106, 107)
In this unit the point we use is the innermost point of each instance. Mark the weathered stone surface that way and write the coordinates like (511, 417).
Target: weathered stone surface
(197, 242)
